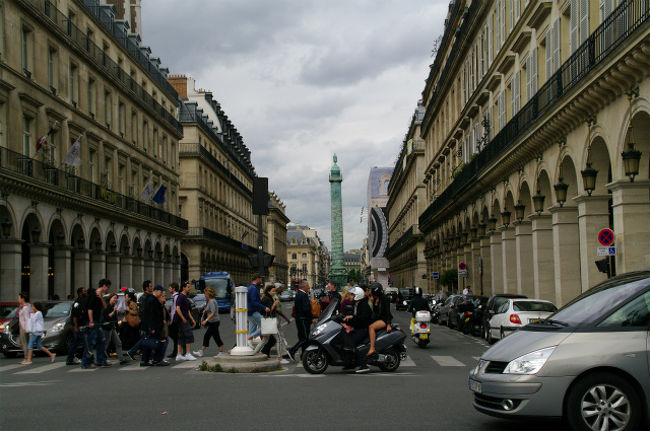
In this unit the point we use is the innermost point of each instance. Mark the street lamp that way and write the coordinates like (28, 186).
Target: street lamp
(589, 178)
(481, 229)
(560, 192)
(519, 211)
(474, 231)
(631, 157)
(6, 227)
(538, 202)
(505, 216)
(492, 223)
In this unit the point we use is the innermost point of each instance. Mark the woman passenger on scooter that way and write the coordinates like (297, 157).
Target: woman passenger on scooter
(381, 315)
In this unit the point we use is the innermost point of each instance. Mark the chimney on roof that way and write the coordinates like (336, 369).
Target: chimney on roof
(179, 82)
(129, 11)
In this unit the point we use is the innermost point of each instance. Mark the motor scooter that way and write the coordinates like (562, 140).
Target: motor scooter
(325, 345)
(421, 328)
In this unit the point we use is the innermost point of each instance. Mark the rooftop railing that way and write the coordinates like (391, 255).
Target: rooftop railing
(69, 183)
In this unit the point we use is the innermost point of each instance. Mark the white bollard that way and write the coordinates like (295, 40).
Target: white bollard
(241, 323)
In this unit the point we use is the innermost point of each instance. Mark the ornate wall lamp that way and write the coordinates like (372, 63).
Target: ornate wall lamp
(560, 192)
(519, 211)
(505, 216)
(538, 202)
(631, 157)
(492, 223)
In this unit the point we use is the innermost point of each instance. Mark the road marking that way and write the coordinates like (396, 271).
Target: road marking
(43, 369)
(82, 370)
(299, 364)
(476, 358)
(186, 364)
(134, 367)
(447, 361)
(24, 384)
(302, 376)
(11, 367)
(408, 362)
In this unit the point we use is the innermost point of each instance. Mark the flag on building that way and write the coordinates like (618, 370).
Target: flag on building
(73, 158)
(147, 192)
(159, 197)
(43, 140)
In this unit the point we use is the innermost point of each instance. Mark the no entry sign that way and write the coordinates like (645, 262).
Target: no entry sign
(606, 237)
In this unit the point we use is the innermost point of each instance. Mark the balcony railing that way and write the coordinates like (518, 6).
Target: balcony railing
(626, 18)
(205, 233)
(72, 184)
(198, 149)
(104, 62)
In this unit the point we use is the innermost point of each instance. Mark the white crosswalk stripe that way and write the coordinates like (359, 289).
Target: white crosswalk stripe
(133, 367)
(82, 370)
(408, 362)
(42, 369)
(11, 367)
(447, 361)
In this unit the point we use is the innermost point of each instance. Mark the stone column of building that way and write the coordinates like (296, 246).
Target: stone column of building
(485, 279)
(158, 272)
(126, 272)
(148, 272)
(10, 264)
(467, 258)
(62, 275)
(543, 262)
(38, 261)
(509, 259)
(593, 215)
(113, 268)
(137, 272)
(631, 206)
(566, 253)
(496, 260)
(167, 273)
(98, 267)
(524, 245)
(475, 270)
(81, 269)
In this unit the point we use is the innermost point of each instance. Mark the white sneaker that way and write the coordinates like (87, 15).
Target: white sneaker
(199, 353)
(189, 357)
(222, 354)
(180, 357)
(284, 361)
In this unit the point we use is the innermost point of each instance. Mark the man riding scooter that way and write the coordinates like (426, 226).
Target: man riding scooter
(418, 303)
(356, 330)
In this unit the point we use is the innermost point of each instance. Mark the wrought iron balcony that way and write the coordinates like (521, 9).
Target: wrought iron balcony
(624, 20)
(35, 171)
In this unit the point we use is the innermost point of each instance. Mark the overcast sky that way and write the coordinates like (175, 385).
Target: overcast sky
(302, 80)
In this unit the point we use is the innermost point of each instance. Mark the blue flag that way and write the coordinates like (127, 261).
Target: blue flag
(159, 197)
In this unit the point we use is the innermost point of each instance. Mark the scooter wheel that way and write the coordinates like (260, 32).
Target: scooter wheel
(423, 343)
(391, 362)
(314, 361)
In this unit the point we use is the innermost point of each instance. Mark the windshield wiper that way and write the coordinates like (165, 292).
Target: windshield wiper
(556, 322)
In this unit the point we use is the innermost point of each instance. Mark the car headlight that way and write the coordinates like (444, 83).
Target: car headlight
(530, 363)
(319, 330)
(57, 327)
(480, 367)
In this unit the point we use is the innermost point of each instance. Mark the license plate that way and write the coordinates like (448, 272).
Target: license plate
(475, 386)
(534, 320)
(424, 336)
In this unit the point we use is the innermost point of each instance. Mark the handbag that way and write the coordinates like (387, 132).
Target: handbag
(269, 325)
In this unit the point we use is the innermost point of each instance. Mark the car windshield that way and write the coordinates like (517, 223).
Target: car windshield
(58, 309)
(405, 292)
(220, 285)
(8, 311)
(327, 314)
(598, 302)
(533, 306)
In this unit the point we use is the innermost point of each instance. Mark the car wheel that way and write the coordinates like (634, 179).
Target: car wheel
(502, 334)
(10, 354)
(490, 339)
(603, 401)
(485, 332)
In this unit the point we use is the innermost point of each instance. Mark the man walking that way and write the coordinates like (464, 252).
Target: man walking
(304, 317)
(173, 291)
(255, 308)
(185, 335)
(95, 335)
(153, 321)
(24, 311)
(79, 322)
(147, 288)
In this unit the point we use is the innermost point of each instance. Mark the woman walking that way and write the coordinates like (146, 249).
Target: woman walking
(36, 330)
(211, 320)
(268, 301)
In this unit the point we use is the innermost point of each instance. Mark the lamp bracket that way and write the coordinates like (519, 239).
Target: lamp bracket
(562, 142)
(591, 120)
(633, 93)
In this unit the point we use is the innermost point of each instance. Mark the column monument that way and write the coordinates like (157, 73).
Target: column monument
(337, 274)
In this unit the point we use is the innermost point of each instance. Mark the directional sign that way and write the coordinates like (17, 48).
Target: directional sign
(436, 276)
(462, 273)
(605, 251)
(606, 237)
(462, 266)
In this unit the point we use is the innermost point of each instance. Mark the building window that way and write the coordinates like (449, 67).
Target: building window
(91, 166)
(121, 112)
(145, 135)
(304, 255)
(74, 81)
(294, 256)
(51, 69)
(304, 268)
(91, 97)
(26, 49)
(108, 108)
(121, 170)
(27, 136)
(579, 22)
(134, 127)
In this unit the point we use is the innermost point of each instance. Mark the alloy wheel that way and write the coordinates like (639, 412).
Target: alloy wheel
(605, 407)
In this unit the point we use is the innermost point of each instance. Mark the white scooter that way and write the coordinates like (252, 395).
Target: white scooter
(421, 328)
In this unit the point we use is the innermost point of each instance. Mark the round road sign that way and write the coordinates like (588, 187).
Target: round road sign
(606, 237)
(462, 266)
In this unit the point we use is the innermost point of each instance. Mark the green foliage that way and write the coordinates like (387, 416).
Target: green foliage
(206, 367)
(354, 275)
(449, 279)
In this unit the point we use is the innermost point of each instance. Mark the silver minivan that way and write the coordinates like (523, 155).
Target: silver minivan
(588, 362)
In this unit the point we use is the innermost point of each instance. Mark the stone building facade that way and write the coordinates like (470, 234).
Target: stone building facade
(276, 231)
(72, 67)
(306, 255)
(524, 100)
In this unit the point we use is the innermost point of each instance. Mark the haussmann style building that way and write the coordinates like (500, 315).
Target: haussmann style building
(535, 138)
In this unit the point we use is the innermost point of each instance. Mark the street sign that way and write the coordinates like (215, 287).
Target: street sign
(606, 237)
(462, 266)
(436, 276)
(605, 251)
(462, 273)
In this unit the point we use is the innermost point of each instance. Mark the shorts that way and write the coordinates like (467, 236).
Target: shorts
(185, 335)
(34, 340)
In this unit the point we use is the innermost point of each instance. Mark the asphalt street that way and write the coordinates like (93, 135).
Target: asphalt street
(429, 390)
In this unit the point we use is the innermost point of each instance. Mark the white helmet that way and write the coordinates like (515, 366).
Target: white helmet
(358, 293)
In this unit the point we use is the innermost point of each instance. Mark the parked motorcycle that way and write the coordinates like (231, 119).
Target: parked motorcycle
(325, 346)
(421, 329)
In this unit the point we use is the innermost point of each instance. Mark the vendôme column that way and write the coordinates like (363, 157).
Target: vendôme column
(337, 274)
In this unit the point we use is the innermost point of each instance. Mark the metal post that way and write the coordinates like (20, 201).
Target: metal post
(260, 247)
(241, 323)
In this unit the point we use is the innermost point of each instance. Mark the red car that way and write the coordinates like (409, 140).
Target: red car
(7, 312)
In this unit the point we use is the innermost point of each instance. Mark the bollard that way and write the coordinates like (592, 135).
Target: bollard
(241, 323)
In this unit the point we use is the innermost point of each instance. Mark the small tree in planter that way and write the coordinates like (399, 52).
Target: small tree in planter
(449, 279)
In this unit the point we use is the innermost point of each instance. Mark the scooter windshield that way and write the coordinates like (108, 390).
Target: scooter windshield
(327, 314)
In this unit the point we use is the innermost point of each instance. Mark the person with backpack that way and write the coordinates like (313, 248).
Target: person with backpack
(304, 317)
(79, 325)
(255, 308)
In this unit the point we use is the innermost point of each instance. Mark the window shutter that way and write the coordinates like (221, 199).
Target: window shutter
(573, 25)
(529, 73)
(533, 76)
(517, 10)
(512, 14)
(476, 137)
(497, 29)
(490, 35)
(502, 109)
(503, 22)
(556, 45)
(584, 20)
(549, 53)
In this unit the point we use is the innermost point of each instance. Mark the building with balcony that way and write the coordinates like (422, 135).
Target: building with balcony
(216, 188)
(74, 67)
(374, 260)
(276, 231)
(352, 260)
(407, 200)
(534, 140)
(307, 256)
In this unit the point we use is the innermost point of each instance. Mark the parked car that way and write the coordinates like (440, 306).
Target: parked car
(515, 314)
(495, 301)
(404, 295)
(58, 329)
(446, 309)
(587, 362)
(287, 295)
(391, 294)
(201, 301)
(7, 312)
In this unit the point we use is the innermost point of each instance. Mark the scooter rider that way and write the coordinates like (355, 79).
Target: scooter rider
(356, 330)
(418, 303)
